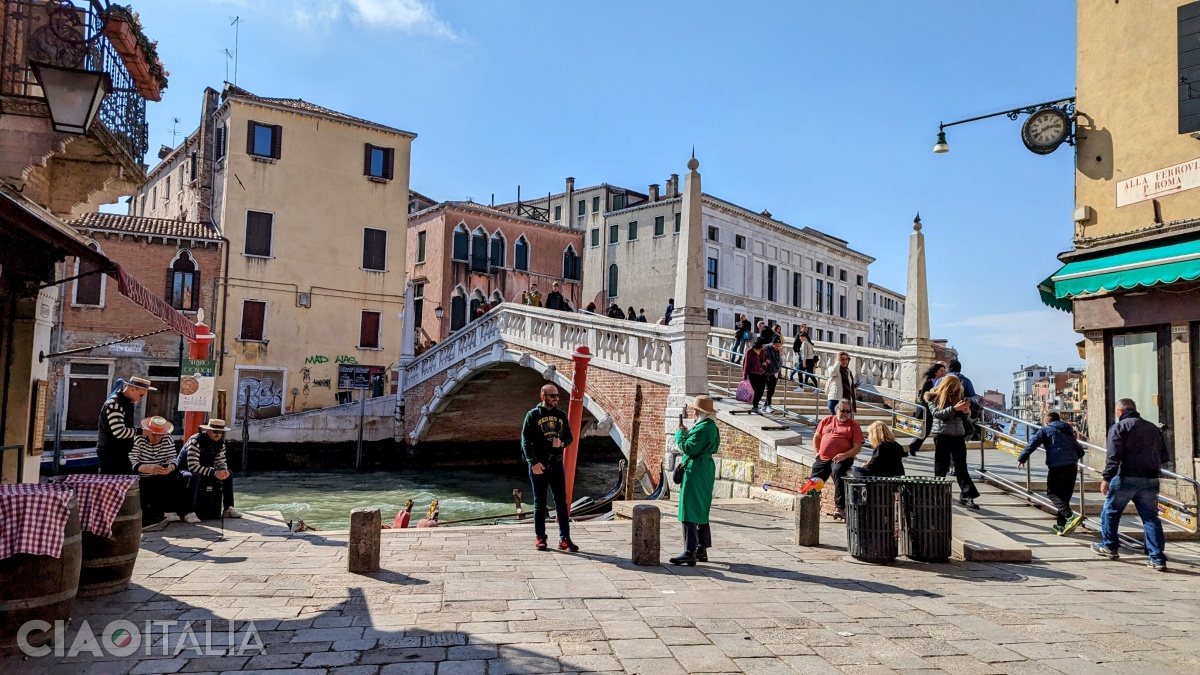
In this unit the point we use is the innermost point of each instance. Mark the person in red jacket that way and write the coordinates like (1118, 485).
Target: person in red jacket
(754, 368)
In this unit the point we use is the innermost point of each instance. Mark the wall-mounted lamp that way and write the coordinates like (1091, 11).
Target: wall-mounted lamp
(73, 95)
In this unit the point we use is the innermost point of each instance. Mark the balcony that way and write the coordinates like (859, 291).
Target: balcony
(102, 165)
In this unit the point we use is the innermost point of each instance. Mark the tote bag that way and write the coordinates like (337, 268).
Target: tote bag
(745, 392)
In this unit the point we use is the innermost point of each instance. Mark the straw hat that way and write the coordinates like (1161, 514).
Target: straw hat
(140, 383)
(704, 404)
(215, 424)
(157, 425)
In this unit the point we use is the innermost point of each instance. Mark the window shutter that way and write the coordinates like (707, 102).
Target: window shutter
(368, 333)
(169, 294)
(276, 141)
(250, 137)
(219, 143)
(195, 290)
(388, 157)
(1189, 67)
(366, 159)
(253, 313)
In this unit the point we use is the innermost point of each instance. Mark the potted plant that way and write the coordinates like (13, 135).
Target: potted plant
(123, 28)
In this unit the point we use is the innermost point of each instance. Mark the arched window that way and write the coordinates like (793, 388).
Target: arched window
(497, 298)
(571, 266)
(521, 254)
(612, 280)
(460, 243)
(183, 282)
(89, 290)
(479, 252)
(497, 250)
(476, 301)
(458, 309)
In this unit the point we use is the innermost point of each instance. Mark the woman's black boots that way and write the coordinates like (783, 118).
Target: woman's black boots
(685, 558)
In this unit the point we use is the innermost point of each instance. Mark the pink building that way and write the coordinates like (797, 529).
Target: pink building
(462, 254)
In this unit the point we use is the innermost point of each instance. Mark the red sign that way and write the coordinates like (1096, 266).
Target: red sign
(135, 291)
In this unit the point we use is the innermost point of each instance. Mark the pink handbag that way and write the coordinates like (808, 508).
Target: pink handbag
(745, 391)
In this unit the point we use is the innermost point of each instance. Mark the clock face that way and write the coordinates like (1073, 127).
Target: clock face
(1045, 130)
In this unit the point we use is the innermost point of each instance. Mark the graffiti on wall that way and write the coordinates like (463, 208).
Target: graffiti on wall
(318, 358)
(260, 392)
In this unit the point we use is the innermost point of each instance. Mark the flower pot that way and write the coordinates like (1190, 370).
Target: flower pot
(121, 34)
(124, 39)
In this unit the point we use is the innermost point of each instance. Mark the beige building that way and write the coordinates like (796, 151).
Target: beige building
(314, 205)
(1130, 279)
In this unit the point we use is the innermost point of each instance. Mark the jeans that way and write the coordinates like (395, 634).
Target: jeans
(696, 536)
(772, 380)
(810, 367)
(739, 348)
(1144, 494)
(1060, 485)
(833, 402)
(826, 469)
(953, 449)
(193, 491)
(758, 383)
(551, 479)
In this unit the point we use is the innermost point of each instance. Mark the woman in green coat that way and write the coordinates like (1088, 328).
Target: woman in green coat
(697, 444)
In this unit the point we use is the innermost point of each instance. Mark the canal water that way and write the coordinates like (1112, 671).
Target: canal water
(323, 499)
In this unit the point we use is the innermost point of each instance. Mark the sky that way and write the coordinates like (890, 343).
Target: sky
(825, 114)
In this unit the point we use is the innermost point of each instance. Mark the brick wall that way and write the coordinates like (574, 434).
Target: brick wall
(741, 448)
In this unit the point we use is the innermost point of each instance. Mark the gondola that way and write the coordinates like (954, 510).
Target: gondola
(597, 508)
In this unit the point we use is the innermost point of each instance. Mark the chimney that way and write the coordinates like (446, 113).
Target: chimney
(653, 191)
(673, 186)
(567, 217)
(570, 184)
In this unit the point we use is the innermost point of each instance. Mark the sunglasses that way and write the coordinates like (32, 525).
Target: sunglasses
(551, 395)
(843, 410)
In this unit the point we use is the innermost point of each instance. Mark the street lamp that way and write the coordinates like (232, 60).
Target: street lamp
(73, 95)
(1049, 125)
(941, 146)
(439, 312)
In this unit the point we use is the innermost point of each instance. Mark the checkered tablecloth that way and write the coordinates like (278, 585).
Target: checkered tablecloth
(32, 518)
(100, 498)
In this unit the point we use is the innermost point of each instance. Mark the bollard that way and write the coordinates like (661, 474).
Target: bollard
(646, 520)
(365, 527)
(808, 520)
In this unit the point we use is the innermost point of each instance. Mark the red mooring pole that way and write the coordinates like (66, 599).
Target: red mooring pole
(581, 356)
(198, 349)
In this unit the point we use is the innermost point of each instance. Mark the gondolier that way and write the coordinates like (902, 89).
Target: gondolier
(117, 426)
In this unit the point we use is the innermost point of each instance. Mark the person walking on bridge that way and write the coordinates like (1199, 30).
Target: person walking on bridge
(934, 373)
(1063, 452)
(951, 426)
(545, 435)
(1137, 453)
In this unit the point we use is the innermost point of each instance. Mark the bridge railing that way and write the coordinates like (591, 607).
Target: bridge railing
(640, 349)
(878, 367)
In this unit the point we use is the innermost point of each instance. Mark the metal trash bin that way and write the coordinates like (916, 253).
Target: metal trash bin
(925, 519)
(871, 518)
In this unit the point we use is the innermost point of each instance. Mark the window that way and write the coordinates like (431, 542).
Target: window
(479, 252)
(193, 167)
(859, 341)
(612, 280)
(377, 161)
(89, 290)
(219, 142)
(183, 283)
(374, 249)
(167, 190)
(418, 307)
(842, 338)
(498, 248)
(368, 329)
(712, 317)
(458, 309)
(259, 234)
(829, 297)
(820, 268)
(632, 231)
(739, 241)
(521, 255)
(461, 243)
(819, 295)
(571, 267)
(711, 277)
(678, 222)
(595, 205)
(558, 212)
(712, 233)
(829, 271)
(842, 306)
(660, 226)
(614, 233)
(618, 202)
(858, 280)
(264, 140)
(796, 289)
(841, 275)
(420, 247)
(1186, 32)
(582, 207)
(162, 403)
(771, 273)
(858, 310)
(254, 318)
(595, 237)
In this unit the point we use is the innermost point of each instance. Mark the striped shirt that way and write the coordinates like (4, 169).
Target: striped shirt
(162, 453)
(114, 419)
(194, 452)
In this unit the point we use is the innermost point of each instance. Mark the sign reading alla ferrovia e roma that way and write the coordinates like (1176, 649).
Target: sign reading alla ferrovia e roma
(1159, 183)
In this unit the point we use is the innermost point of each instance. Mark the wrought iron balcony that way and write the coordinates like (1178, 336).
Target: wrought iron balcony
(60, 33)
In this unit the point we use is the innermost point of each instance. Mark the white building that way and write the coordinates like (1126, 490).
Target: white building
(1023, 399)
(887, 317)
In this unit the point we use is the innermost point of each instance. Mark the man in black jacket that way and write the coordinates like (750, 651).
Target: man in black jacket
(545, 434)
(117, 426)
(555, 300)
(1136, 454)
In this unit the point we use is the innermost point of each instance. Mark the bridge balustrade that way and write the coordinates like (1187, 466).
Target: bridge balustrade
(878, 367)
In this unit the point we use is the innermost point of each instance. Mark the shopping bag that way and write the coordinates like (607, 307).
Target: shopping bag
(745, 392)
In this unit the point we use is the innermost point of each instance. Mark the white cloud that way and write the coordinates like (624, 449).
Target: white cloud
(1020, 330)
(408, 16)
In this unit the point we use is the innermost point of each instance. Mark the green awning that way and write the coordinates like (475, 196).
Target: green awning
(1125, 270)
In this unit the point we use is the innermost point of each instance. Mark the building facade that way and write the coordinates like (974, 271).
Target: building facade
(887, 317)
(462, 255)
(1022, 400)
(314, 206)
(1130, 278)
(92, 312)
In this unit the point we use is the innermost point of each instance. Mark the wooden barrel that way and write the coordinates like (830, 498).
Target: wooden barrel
(108, 561)
(40, 587)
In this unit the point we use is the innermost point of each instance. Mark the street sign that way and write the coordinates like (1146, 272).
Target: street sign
(196, 384)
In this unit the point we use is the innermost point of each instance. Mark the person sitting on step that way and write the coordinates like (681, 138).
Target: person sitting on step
(154, 458)
(204, 457)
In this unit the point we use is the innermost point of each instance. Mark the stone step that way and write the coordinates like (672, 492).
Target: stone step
(974, 541)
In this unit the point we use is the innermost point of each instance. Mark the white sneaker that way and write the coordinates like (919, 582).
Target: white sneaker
(171, 517)
(231, 513)
(768, 409)
(191, 519)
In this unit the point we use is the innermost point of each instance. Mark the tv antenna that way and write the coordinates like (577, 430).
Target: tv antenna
(175, 132)
(236, 22)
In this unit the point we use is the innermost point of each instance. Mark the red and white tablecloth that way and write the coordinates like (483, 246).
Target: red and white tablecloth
(100, 498)
(32, 518)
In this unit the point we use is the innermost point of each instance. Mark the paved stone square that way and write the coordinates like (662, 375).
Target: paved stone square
(481, 601)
